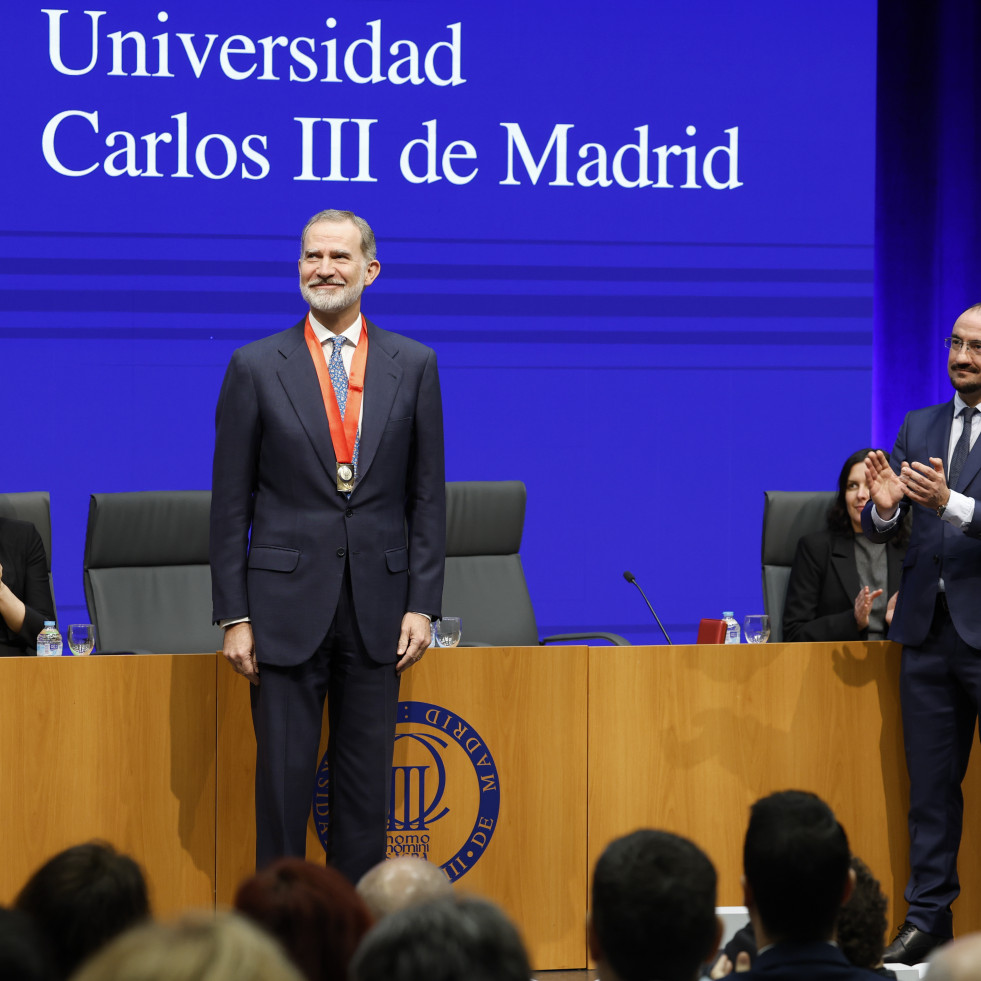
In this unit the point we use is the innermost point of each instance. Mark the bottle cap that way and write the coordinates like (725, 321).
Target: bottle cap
(726, 614)
(49, 623)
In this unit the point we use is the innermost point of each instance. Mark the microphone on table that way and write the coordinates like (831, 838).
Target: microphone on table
(629, 576)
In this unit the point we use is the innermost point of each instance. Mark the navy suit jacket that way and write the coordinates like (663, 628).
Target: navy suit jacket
(936, 548)
(804, 962)
(281, 533)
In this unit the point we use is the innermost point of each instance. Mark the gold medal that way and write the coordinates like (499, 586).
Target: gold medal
(345, 477)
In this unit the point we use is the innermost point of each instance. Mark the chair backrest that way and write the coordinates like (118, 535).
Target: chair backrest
(33, 506)
(147, 576)
(485, 583)
(711, 632)
(787, 517)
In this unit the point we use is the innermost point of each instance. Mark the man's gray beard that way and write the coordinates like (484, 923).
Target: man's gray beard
(333, 301)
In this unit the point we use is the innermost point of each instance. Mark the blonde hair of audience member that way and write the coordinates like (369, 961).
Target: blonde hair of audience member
(198, 947)
(958, 960)
(399, 882)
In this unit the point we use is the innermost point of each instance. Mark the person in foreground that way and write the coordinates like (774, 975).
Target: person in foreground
(446, 939)
(311, 910)
(23, 952)
(327, 544)
(935, 472)
(842, 586)
(400, 882)
(82, 898)
(796, 879)
(860, 932)
(862, 922)
(653, 909)
(201, 946)
(960, 960)
(25, 591)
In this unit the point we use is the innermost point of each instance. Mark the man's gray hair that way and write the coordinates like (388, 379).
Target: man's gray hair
(368, 248)
(443, 940)
(399, 882)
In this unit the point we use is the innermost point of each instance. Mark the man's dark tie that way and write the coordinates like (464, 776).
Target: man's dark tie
(962, 448)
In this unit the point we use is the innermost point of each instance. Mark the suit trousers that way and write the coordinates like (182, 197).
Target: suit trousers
(287, 712)
(940, 691)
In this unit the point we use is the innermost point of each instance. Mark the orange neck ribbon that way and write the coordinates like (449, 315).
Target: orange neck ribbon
(343, 432)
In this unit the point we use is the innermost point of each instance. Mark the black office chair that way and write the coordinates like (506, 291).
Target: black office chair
(147, 576)
(485, 583)
(33, 506)
(787, 517)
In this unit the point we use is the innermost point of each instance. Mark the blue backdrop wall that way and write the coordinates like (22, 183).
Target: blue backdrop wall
(640, 242)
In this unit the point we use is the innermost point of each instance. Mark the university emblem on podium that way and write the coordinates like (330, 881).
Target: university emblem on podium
(445, 790)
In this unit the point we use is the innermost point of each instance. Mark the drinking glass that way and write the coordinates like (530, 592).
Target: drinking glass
(448, 631)
(756, 627)
(81, 639)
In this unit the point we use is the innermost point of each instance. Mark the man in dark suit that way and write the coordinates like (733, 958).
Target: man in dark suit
(25, 591)
(938, 622)
(327, 544)
(652, 913)
(796, 879)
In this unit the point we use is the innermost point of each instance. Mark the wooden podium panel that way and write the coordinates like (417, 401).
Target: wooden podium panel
(529, 706)
(116, 748)
(686, 738)
(477, 723)
(156, 755)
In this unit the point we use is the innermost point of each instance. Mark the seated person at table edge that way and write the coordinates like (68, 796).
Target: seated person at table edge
(842, 586)
(25, 594)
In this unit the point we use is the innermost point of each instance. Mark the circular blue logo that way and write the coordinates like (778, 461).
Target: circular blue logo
(425, 790)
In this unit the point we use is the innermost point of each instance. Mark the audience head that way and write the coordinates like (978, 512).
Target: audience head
(312, 910)
(23, 954)
(795, 860)
(81, 898)
(862, 921)
(443, 940)
(959, 960)
(400, 882)
(653, 908)
(199, 947)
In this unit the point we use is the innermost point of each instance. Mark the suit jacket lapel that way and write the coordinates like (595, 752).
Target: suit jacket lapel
(938, 436)
(894, 559)
(299, 378)
(843, 562)
(382, 377)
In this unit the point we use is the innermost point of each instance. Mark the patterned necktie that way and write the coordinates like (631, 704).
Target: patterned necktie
(338, 378)
(962, 448)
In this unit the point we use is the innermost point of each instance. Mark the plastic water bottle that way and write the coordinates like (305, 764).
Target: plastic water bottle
(732, 628)
(49, 640)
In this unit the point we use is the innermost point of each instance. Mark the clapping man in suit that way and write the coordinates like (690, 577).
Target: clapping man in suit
(327, 544)
(935, 471)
